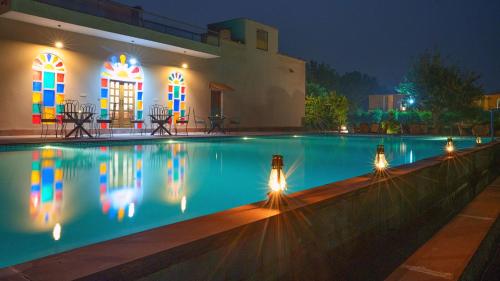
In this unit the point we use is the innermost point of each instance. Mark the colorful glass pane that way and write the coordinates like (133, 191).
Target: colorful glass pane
(49, 80)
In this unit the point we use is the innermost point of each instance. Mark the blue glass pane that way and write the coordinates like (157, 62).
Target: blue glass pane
(170, 96)
(59, 185)
(183, 97)
(139, 95)
(49, 97)
(176, 105)
(60, 88)
(35, 187)
(37, 86)
(104, 92)
(49, 80)
(103, 179)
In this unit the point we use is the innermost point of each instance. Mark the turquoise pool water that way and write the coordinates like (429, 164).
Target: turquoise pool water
(59, 197)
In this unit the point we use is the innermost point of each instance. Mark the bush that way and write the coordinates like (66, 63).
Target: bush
(326, 111)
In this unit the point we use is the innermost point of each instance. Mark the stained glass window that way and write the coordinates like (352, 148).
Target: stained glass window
(176, 95)
(47, 87)
(121, 68)
(176, 174)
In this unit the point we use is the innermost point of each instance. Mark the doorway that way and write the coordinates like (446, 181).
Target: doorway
(216, 103)
(121, 103)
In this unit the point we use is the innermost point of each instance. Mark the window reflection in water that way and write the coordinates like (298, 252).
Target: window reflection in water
(47, 190)
(120, 181)
(176, 179)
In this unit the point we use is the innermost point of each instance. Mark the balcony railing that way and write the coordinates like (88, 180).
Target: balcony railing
(138, 17)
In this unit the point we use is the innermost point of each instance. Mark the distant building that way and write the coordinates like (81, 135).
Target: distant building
(490, 101)
(385, 102)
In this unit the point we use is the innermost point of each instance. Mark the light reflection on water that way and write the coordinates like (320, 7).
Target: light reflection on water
(56, 198)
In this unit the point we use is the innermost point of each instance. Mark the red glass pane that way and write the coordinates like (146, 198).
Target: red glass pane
(139, 86)
(183, 90)
(60, 78)
(37, 75)
(36, 119)
(104, 82)
(170, 88)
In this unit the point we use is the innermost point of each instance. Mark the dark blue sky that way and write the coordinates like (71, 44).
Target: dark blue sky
(378, 37)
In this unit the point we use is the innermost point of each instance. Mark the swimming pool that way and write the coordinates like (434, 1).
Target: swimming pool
(59, 197)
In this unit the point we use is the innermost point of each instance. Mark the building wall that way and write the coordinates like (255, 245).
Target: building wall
(491, 101)
(269, 88)
(384, 102)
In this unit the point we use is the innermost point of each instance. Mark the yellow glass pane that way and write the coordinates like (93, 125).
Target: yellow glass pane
(139, 105)
(183, 105)
(59, 99)
(169, 104)
(47, 153)
(37, 97)
(104, 103)
(47, 163)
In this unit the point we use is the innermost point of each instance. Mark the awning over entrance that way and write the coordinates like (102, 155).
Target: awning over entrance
(220, 86)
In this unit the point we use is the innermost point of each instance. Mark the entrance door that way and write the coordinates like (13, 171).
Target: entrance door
(121, 103)
(216, 103)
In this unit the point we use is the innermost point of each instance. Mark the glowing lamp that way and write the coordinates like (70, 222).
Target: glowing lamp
(380, 161)
(479, 140)
(277, 180)
(133, 61)
(449, 146)
(411, 101)
(185, 65)
(59, 44)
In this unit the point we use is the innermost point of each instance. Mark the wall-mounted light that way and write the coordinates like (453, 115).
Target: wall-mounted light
(133, 61)
(479, 140)
(277, 180)
(59, 44)
(380, 161)
(450, 147)
(185, 65)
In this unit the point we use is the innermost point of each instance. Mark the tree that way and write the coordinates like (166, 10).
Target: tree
(441, 88)
(326, 111)
(356, 86)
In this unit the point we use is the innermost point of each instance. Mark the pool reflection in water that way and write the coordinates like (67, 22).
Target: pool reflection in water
(61, 197)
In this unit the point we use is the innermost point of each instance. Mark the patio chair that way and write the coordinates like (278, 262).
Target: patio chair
(201, 122)
(158, 115)
(46, 120)
(183, 121)
(136, 122)
(106, 119)
(90, 108)
(70, 107)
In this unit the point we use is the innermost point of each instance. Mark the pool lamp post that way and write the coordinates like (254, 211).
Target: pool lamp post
(277, 183)
(450, 147)
(380, 161)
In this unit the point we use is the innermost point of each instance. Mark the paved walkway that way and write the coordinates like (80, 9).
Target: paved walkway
(446, 255)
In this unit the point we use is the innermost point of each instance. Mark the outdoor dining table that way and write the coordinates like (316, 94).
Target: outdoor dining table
(79, 119)
(161, 120)
(216, 122)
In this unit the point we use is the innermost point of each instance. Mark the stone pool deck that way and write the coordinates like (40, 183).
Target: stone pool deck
(462, 248)
(372, 222)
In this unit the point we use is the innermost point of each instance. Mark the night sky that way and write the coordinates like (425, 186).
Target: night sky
(380, 38)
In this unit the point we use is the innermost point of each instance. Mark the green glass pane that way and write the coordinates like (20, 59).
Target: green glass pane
(183, 113)
(104, 112)
(49, 80)
(60, 108)
(47, 192)
(139, 114)
(36, 108)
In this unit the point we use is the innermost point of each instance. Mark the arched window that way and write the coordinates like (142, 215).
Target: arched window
(48, 87)
(176, 96)
(121, 90)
